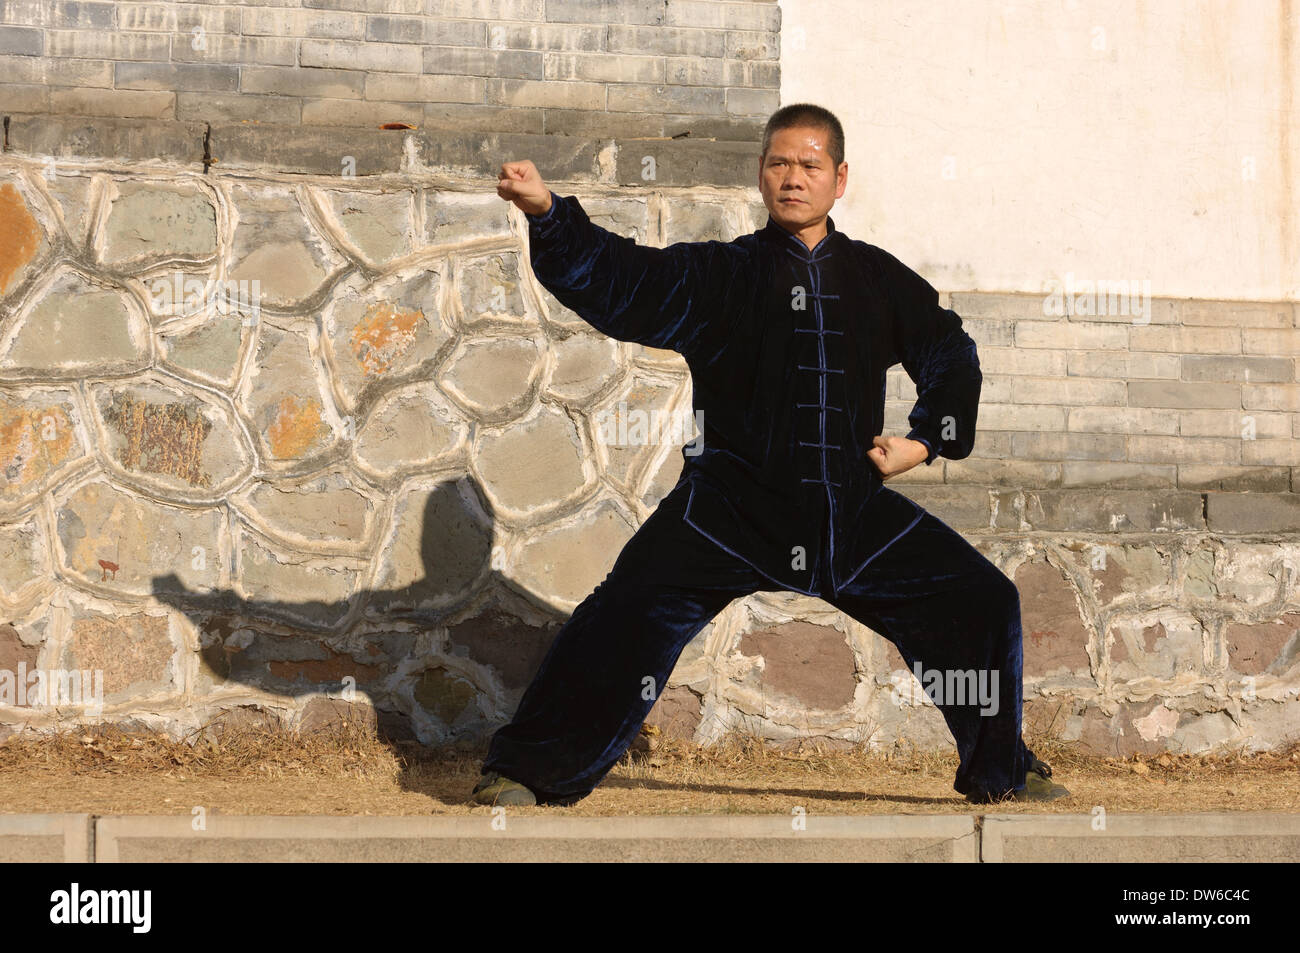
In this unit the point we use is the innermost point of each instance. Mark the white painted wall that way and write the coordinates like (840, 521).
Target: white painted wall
(1113, 140)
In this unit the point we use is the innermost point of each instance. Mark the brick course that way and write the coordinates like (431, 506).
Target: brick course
(708, 68)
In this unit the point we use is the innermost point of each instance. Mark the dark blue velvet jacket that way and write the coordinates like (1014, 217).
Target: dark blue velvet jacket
(787, 350)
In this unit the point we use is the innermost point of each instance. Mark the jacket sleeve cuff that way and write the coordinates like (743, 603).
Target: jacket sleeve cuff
(930, 444)
(546, 218)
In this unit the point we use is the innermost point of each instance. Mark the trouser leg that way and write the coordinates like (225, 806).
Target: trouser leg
(612, 658)
(955, 615)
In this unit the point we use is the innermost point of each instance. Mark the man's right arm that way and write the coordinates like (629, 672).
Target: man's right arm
(659, 297)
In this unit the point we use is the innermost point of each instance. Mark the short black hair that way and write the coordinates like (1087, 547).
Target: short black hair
(807, 114)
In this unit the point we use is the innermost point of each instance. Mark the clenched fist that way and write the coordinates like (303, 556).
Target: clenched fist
(520, 182)
(895, 455)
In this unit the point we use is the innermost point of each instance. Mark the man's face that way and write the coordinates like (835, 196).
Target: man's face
(798, 181)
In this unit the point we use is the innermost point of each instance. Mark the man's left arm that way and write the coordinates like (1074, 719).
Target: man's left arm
(940, 358)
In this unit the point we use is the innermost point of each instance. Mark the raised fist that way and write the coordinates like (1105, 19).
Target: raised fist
(895, 455)
(520, 182)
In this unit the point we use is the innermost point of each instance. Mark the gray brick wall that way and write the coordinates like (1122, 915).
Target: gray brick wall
(1203, 397)
(707, 68)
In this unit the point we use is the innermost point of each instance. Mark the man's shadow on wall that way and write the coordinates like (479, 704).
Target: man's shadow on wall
(391, 643)
(388, 642)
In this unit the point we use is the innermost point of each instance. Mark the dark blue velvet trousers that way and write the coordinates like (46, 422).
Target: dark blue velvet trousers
(930, 592)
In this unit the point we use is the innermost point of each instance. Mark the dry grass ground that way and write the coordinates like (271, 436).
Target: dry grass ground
(347, 770)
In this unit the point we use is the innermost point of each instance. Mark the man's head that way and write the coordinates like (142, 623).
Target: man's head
(802, 169)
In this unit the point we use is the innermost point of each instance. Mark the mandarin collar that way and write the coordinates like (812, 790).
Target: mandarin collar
(775, 232)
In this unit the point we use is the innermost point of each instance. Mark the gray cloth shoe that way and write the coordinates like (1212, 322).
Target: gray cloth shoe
(493, 788)
(1037, 787)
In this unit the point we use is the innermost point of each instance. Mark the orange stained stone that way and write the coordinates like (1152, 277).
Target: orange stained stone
(33, 441)
(20, 235)
(382, 336)
(296, 426)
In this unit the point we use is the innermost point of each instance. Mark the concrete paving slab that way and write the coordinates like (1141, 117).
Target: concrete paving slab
(700, 838)
(45, 838)
(1129, 838)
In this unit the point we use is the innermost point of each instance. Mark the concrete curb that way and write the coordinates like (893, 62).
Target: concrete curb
(48, 838)
(475, 838)
(994, 838)
(1137, 838)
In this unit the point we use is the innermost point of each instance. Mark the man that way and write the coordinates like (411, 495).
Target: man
(788, 333)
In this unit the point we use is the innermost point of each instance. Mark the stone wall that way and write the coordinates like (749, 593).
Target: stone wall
(569, 67)
(384, 468)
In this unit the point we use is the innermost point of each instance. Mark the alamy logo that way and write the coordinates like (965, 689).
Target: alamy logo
(52, 686)
(954, 686)
(180, 296)
(633, 428)
(1085, 297)
(102, 906)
